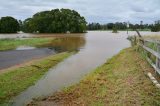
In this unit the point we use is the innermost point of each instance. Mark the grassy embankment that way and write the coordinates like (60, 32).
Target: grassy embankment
(121, 81)
(9, 44)
(17, 80)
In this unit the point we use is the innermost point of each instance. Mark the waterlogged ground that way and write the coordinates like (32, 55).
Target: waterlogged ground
(94, 48)
(18, 79)
(122, 81)
(34, 48)
(17, 57)
(99, 46)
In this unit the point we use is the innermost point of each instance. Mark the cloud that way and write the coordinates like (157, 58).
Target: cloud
(102, 11)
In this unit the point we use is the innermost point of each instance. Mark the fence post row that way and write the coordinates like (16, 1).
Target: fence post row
(144, 45)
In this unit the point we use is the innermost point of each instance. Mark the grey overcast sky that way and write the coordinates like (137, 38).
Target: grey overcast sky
(102, 11)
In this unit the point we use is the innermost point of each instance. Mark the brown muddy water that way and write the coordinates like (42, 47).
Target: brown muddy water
(95, 48)
(28, 35)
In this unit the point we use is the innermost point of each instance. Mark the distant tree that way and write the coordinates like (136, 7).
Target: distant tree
(119, 26)
(141, 25)
(104, 27)
(110, 26)
(9, 25)
(137, 26)
(27, 26)
(55, 21)
(94, 26)
(20, 25)
(155, 28)
(115, 29)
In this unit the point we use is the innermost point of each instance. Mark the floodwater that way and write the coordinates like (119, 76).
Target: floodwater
(99, 46)
(26, 53)
(28, 35)
(16, 57)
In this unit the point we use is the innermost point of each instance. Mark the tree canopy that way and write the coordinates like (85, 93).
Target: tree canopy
(55, 21)
(118, 25)
(9, 25)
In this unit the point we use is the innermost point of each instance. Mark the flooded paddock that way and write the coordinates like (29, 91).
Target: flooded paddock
(16, 57)
(99, 46)
(26, 53)
(93, 49)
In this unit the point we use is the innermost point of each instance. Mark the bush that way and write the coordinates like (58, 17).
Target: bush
(115, 30)
(9, 25)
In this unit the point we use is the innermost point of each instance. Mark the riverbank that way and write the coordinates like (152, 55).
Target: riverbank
(122, 80)
(18, 79)
(10, 44)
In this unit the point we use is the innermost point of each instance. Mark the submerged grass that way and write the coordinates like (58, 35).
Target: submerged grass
(122, 81)
(17, 80)
(9, 44)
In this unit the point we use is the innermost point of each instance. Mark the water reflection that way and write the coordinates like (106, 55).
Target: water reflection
(67, 44)
(26, 53)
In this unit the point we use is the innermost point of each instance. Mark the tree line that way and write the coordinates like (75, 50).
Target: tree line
(118, 26)
(63, 21)
(156, 26)
(54, 21)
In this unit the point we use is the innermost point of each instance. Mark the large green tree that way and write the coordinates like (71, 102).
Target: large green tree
(55, 21)
(9, 25)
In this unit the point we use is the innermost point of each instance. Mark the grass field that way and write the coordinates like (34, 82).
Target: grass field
(9, 44)
(121, 81)
(17, 80)
(155, 37)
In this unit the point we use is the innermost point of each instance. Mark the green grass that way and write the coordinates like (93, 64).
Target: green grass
(121, 81)
(17, 80)
(153, 46)
(9, 44)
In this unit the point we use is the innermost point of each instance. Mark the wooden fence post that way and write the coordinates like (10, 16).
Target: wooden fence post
(157, 59)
